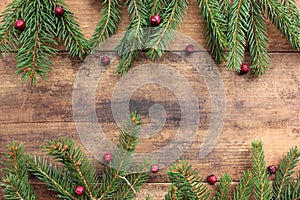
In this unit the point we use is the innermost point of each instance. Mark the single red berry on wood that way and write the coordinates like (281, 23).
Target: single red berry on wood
(105, 60)
(155, 20)
(244, 69)
(189, 49)
(79, 190)
(108, 157)
(272, 169)
(59, 11)
(212, 179)
(154, 168)
(20, 24)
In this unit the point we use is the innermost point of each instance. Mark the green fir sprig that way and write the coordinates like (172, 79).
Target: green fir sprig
(186, 182)
(215, 17)
(244, 190)
(35, 45)
(132, 42)
(160, 37)
(15, 182)
(284, 173)
(262, 187)
(223, 188)
(109, 23)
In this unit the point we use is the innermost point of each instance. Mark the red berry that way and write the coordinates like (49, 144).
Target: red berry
(155, 20)
(105, 60)
(26, 70)
(154, 168)
(79, 190)
(212, 179)
(20, 24)
(189, 49)
(59, 11)
(272, 169)
(244, 68)
(107, 157)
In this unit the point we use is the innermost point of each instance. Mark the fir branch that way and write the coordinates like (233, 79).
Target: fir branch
(81, 169)
(172, 17)
(155, 6)
(223, 188)
(34, 41)
(293, 11)
(244, 190)
(187, 181)
(284, 172)
(262, 188)
(238, 25)
(134, 181)
(280, 17)
(109, 23)
(132, 42)
(68, 31)
(126, 61)
(122, 160)
(15, 182)
(257, 39)
(216, 27)
(55, 178)
(171, 195)
(8, 35)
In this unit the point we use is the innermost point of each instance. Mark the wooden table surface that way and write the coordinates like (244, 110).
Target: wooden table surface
(262, 108)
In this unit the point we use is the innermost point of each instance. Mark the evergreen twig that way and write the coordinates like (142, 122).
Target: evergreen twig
(216, 26)
(237, 26)
(56, 179)
(113, 177)
(244, 190)
(187, 181)
(15, 182)
(280, 17)
(262, 187)
(223, 188)
(257, 39)
(171, 195)
(284, 172)
(172, 15)
(68, 32)
(132, 42)
(109, 23)
(77, 163)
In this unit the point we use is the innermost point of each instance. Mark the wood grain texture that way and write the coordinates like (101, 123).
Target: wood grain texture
(257, 108)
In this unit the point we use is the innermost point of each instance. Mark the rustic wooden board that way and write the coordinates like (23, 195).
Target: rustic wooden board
(257, 108)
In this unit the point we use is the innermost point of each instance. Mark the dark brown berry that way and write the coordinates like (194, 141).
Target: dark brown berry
(154, 168)
(189, 49)
(79, 190)
(108, 157)
(105, 60)
(155, 20)
(244, 69)
(59, 11)
(20, 24)
(272, 169)
(212, 179)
